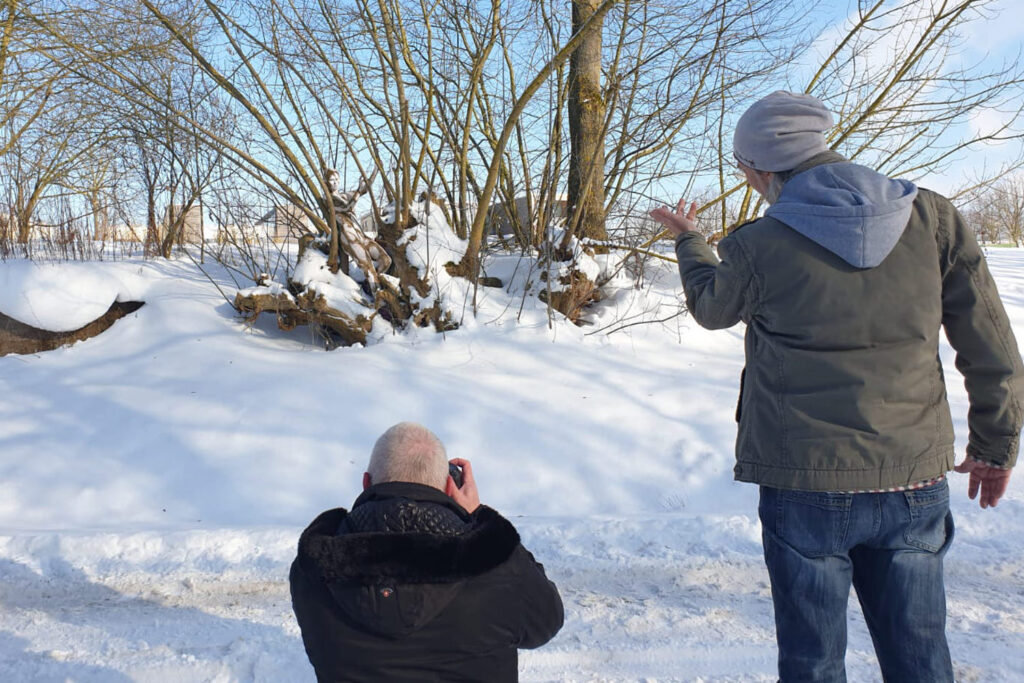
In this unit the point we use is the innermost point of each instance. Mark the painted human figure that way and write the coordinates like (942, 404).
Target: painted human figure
(367, 253)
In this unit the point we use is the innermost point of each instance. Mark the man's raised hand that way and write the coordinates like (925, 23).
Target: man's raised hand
(679, 221)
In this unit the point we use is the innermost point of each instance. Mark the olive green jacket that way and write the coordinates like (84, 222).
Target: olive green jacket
(843, 387)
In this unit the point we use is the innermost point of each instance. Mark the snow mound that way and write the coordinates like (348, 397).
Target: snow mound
(57, 297)
(341, 292)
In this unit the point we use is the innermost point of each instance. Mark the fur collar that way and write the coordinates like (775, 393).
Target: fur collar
(488, 541)
(391, 490)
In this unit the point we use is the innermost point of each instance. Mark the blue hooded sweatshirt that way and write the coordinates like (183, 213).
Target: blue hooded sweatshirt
(851, 210)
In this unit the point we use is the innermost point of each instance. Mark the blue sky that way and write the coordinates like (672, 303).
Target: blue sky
(992, 41)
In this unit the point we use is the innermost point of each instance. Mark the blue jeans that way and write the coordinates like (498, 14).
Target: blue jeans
(889, 546)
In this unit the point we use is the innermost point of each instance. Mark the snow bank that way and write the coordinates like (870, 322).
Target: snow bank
(674, 596)
(154, 480)
(58, 297)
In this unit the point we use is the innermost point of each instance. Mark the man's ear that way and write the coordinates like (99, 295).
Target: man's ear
(367, 481)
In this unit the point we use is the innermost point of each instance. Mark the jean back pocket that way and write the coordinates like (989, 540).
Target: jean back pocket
(930, 525)
(815, 524)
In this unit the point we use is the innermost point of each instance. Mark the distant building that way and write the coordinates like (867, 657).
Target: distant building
(368, 223)
(124, 233)
(500, 222)
(283, 221)
(191, 229)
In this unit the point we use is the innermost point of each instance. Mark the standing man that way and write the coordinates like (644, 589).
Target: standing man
(844, 285)
(419, 582)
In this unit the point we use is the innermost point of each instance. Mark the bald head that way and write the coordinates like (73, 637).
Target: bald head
(409, 452)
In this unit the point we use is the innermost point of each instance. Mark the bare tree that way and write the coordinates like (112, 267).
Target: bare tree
(39, 164)
(901, 96)
(468, 109)
(997, 211)
(26, 77)
(57, 130)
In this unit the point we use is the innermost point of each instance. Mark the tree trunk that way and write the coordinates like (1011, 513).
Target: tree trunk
(152, 230)
(27, 207)
(586, 130)
(100, 222)
(24, 227)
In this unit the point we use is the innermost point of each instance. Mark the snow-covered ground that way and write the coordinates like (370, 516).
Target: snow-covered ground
(154, 480)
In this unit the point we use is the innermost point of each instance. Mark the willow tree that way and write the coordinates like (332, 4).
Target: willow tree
(315, 86)
(467, 104)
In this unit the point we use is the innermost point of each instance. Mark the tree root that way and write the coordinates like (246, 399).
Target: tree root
(308, 308)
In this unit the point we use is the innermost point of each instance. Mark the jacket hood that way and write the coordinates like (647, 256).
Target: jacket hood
(851, 210)
(394, 583)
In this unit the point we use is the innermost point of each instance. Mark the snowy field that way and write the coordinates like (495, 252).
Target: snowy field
(154, 480)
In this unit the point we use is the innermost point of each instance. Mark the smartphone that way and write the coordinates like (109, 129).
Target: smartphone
(456, 473)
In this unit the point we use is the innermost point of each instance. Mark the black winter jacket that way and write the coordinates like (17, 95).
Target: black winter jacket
(410, 587)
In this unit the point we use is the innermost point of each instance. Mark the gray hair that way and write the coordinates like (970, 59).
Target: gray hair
(774, 190)
(778, 179)
(409, 452)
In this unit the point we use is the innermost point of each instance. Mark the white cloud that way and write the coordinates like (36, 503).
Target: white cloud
(987, 121)
(892, 32)
(1001, 32)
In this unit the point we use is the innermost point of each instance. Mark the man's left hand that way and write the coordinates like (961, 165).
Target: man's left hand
(678, 221)
(991, 481)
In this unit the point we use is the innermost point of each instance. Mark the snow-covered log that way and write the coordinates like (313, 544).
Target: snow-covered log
(314, 296)
(571, 280)
(17, 337)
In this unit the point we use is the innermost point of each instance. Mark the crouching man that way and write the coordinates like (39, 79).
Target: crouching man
(419, 581)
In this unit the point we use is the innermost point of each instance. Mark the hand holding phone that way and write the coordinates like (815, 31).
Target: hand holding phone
(456, 474)
(462, 488)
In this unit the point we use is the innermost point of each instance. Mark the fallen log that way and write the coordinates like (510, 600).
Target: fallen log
(17, 337)
(308, 308)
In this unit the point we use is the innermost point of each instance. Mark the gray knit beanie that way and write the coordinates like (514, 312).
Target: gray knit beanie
(780, 131)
